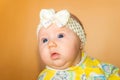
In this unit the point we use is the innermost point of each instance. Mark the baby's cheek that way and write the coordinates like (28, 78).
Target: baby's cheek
(44, 52)
(68, 53)
(41, 47)
(43, 56)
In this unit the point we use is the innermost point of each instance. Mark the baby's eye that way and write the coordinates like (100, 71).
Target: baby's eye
(60, 36)
(44, 40)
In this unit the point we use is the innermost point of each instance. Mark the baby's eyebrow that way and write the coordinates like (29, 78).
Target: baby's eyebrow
(62, 29)
(42, 35)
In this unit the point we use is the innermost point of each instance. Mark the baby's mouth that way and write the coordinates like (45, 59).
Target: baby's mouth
(55, 55)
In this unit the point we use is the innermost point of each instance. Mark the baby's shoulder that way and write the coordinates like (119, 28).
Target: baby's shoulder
(93, 62)
(46, 74)
(106, 68)
(42, 74)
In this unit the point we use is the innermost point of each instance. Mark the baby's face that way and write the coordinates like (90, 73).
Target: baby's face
(59, 47)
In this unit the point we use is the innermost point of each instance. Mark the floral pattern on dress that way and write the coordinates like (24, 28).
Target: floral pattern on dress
(61, 75)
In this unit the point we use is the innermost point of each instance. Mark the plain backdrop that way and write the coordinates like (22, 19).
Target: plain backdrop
(19, 57)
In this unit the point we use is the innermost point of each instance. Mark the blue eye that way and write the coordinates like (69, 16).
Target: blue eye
(60, 36)
(45, 40)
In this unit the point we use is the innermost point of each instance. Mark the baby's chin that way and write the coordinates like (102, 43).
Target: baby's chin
(59, 65)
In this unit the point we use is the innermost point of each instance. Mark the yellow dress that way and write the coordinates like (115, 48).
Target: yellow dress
(87, 69)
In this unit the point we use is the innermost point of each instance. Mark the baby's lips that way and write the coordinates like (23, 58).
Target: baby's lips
(55, 55)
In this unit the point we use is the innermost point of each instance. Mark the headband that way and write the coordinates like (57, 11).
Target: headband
(61, 18)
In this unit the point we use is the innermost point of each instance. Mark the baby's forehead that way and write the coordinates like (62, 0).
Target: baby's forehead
(54, 29)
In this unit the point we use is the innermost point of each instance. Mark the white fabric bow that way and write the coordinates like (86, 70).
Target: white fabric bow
(48, 16)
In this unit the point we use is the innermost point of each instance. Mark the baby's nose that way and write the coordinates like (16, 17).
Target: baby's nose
(52, 44)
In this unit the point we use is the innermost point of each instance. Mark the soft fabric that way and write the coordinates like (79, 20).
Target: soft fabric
(87, 69)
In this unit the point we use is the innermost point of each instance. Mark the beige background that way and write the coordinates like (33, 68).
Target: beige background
(19, 58)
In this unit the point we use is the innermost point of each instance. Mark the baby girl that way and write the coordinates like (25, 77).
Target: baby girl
(61, 39)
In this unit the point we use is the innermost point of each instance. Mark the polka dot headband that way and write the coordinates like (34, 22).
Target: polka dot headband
(61, 18)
